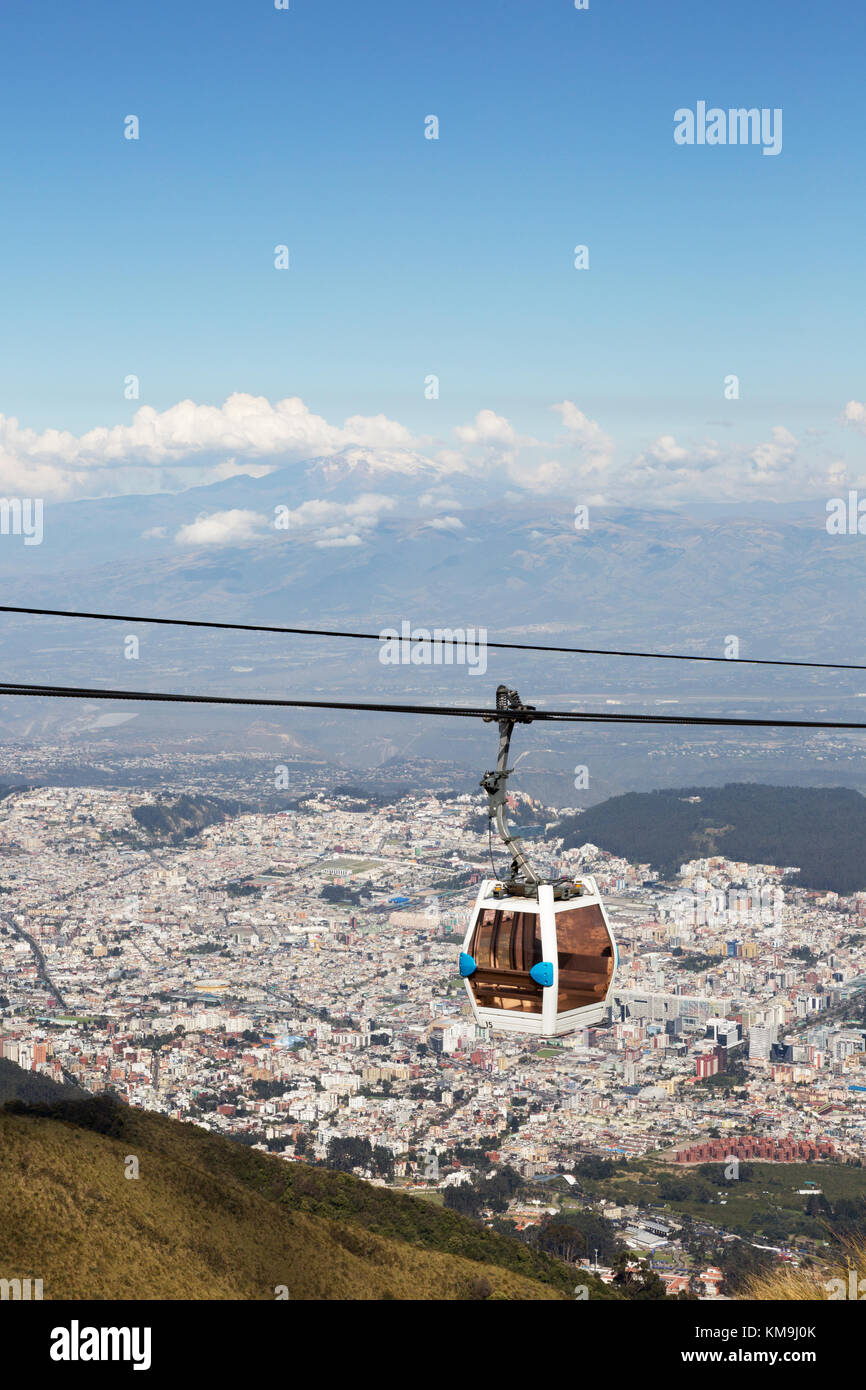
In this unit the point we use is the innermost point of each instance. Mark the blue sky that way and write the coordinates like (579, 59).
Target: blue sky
(411, 256)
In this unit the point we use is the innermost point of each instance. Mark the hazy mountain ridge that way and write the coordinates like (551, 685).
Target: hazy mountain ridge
(636, 578)
(660, 573)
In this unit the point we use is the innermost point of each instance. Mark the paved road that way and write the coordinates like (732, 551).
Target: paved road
(41, 967)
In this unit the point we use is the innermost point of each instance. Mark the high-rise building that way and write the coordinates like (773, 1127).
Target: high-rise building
(760, 1042)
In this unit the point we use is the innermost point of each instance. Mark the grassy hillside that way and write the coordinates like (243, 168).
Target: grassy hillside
(841, 1281)
(818, 829)
(210, 1219)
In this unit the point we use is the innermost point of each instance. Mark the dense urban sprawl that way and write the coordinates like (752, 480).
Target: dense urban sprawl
(289, 979)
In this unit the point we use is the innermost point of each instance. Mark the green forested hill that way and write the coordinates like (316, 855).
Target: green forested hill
(821, 830)
(171, 821)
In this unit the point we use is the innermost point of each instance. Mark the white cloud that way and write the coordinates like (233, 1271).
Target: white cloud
(190, 444)
(230, 468)
(377, 431)
(665, 462)
(667, 450)
(247, 425)
(543, 477)
(363, 512)
(585, 447)
(332, 537)
(215, 441)
(224, 528)
(450, 461)
(323, 522)
(489, 428)
(437, 498)
(587, 435)
(769, 459)
(669, 471)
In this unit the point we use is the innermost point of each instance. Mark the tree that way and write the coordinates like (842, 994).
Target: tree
(739, 1261)
(383, 1161)
(463, 1198)
(577, 1235)
(674, 1190)
(346, 1154)
(642, 1283)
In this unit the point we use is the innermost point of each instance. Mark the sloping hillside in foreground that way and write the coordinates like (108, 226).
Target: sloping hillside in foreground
(211, 1219)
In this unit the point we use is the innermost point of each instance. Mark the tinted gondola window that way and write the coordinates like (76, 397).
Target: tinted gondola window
(506, 944)
(585, 957)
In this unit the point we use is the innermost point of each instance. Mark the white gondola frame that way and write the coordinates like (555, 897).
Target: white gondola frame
(549, 1022)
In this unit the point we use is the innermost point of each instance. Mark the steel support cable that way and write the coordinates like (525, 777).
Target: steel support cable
(452, 641)
(451, 711)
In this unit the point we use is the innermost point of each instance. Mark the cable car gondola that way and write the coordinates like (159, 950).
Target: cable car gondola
(538, 957)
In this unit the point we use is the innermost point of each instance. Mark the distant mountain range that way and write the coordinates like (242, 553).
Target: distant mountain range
(821, 831)
(375, 537)
(377, 541)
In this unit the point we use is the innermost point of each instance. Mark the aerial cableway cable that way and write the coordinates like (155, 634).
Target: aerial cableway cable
(539, 955)
(74, 692)
(444, 640)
